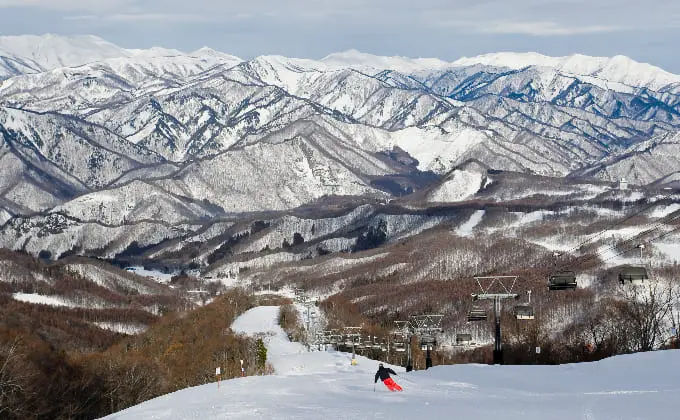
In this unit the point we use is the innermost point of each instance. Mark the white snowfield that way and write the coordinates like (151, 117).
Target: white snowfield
(323, 385)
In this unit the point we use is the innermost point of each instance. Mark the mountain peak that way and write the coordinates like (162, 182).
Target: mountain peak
(209, 52)
(356, 59)
(51, 51)
(351, 53)
(618, 69)
(154, 52)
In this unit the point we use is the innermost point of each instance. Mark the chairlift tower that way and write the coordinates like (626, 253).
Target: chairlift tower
(305, 300)
(426, 326)
(404, 330)
(498, 289)
(352, 336)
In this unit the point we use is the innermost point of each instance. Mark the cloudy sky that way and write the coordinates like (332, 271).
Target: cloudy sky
(647, 31)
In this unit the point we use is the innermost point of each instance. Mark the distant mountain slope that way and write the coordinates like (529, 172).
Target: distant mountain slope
(46, 52)
(618, 69)
(52, 51)
(50, 157)
(657, 159)
(111, 138)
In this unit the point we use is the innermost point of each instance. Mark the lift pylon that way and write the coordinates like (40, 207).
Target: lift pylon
(496, 288)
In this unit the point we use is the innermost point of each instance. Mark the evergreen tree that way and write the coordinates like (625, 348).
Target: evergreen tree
(261, 354)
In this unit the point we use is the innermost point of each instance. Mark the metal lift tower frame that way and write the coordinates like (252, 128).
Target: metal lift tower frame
(426, 326)
(497, 294)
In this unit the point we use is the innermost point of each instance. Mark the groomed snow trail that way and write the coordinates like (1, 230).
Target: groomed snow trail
(323, 385)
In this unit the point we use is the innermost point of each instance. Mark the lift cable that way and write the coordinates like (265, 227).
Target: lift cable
(613, 225)
(649, 241)
(671, 217)
(595, 235)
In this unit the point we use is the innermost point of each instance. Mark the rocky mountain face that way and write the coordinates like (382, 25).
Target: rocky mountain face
(105, 150)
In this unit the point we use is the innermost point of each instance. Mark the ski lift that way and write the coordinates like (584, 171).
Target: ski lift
(400, 347)
(477, 313)
(427, 341)
(463, 339)
(562, 280)
(524, 312)
(376, 343)
(633, 274)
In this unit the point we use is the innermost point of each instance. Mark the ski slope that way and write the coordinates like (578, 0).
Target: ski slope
(323, 385)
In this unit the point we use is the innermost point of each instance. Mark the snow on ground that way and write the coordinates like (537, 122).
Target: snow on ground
(585, 280)
(466, 228)
(158, 276)
(120, 327)
(612, 258)
(108, 279)
(4, 216)
(531, 217)
(75, 302)
(43, 299)
(461, 185)
(663, 211)
(263, 319)
(671, 250)
(555, 244)
(324, 385)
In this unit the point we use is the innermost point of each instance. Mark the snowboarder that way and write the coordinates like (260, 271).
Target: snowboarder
(384, 375)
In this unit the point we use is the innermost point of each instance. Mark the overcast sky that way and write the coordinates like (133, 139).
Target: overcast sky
(646, 30)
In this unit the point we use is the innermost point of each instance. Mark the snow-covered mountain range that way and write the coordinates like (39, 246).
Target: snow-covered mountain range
(146, 140)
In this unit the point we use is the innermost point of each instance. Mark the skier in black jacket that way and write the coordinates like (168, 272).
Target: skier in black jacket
(384, 374)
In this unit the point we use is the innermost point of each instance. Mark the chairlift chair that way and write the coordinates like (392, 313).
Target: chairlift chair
(463, 339)
(427, 341)
(633, 274)
(562, 280)
(399, 346)
(524, 312)
(477, 314)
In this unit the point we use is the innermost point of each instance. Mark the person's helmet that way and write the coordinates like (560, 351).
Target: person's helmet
(380, 364)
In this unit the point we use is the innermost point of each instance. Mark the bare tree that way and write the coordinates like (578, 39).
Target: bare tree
(13, 381)
(674, 314)
(648, 311)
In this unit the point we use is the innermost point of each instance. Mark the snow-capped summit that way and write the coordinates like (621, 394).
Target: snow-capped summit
(29, 54)
(617, 69)
(209, 52)
(358, 60)
(51, 51)
(154, 52)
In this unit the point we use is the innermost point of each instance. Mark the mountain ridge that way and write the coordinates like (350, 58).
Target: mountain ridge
(580, 64)
(185, 137)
